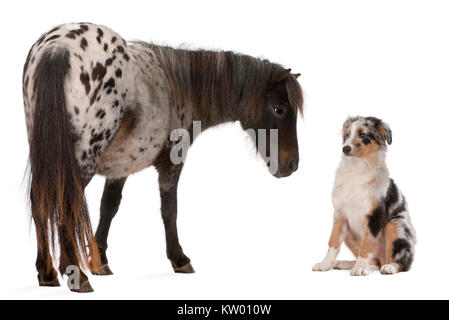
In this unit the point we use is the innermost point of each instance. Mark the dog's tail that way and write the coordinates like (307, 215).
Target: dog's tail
(56, 189)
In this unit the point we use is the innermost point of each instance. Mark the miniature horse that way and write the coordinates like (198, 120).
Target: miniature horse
(96, 104)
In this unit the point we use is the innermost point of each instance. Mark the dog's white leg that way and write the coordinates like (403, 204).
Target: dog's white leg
(328, 261)
(364, 265)
(337, 236)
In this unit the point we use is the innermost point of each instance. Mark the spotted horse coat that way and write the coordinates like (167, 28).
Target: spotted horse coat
(96, 104)
(109, 82)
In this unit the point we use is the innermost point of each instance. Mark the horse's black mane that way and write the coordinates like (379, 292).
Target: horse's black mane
(216, 84)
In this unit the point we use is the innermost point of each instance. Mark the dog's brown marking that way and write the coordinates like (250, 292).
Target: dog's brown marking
(352, 241)
(337, 230)
(391, 235)
(369, 151)
(385, 132)
(365, 151)
(368, 244)
(369, 241)
(361, 129)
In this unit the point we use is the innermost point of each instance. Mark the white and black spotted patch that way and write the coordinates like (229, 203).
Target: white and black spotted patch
(109, 79)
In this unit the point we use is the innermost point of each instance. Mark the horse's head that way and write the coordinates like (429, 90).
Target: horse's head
(282, 101)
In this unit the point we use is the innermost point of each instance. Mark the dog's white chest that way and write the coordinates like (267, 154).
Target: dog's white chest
(354, 203)
(353, 194)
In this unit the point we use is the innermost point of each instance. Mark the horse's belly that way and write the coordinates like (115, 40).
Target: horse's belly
(136, 145)
(122, 164)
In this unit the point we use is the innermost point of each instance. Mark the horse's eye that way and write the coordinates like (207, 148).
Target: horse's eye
(278, 110)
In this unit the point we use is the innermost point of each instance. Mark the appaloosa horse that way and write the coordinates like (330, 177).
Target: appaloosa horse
(96, 104)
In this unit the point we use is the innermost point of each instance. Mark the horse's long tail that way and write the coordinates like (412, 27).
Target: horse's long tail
(57, 192)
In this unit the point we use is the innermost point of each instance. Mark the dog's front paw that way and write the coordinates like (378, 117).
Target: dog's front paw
(362, 270)
(391, 268)
(322, 266)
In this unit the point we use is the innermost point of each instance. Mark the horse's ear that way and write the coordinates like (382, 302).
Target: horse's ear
(284, 74)
(277, 77)
(296, 75)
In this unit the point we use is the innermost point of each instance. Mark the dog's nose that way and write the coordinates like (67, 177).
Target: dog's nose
(346, 149)
(293, 165)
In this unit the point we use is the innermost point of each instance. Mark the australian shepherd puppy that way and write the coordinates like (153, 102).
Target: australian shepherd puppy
(371, 215)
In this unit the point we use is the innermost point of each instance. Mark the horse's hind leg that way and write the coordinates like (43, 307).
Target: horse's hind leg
(69, 260)
(47, 275)
(168, 185)
(110, 203)
(69, 263)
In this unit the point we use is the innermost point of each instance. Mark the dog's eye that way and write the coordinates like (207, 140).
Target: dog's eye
(362, 135)
(346, 136)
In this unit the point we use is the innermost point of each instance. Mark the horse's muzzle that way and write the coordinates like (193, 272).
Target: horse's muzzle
(287, 170)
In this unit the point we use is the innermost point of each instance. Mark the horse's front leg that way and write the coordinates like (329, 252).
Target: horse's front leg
(168, 185)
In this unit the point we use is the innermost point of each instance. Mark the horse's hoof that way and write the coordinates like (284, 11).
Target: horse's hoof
(185, 269)
(85, 287)
(49, 283)
(103, 270)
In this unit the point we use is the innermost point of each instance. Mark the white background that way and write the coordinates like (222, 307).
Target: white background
(249, 235)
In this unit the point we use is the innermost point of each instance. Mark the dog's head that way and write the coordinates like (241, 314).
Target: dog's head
(365, 137)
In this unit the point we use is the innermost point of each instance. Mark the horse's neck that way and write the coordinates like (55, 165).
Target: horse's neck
(211, 97)
(207, 121)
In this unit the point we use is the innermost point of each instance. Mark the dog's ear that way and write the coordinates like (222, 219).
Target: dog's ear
(385, 132)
